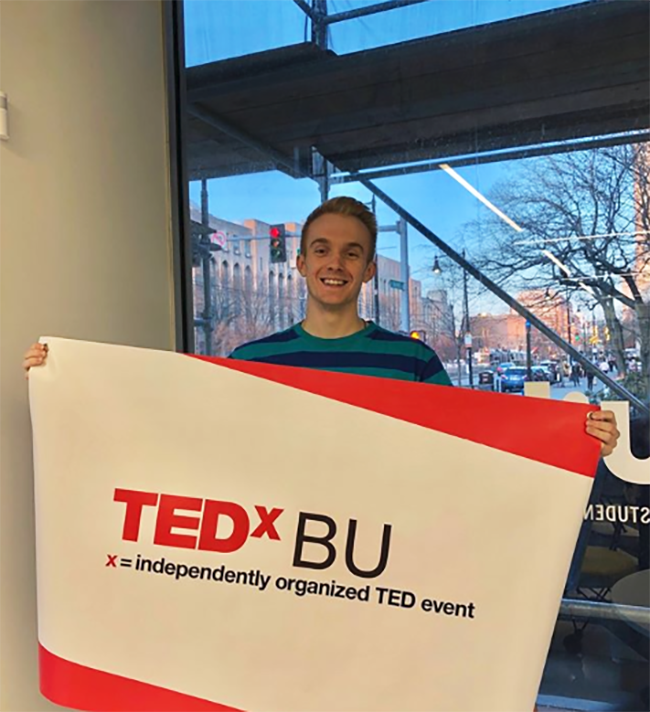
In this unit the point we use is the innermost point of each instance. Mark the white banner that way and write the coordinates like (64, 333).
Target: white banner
(214, 534)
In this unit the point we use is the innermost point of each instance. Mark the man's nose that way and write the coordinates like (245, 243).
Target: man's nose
(336, 261)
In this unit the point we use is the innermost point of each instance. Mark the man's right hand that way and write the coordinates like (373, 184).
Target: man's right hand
(35, 356)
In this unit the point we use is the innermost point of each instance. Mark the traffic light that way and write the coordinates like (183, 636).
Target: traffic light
(278, 243)
(418, 335)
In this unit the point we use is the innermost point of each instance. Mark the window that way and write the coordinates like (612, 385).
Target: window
(460, 122)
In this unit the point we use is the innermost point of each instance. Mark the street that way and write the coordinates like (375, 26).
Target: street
(558, 392)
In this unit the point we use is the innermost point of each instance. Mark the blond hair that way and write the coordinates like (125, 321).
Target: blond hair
(350, 207)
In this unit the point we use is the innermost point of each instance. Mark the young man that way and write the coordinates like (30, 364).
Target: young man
(336, 258)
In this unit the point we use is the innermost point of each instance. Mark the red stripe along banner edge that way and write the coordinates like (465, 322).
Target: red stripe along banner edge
(84, 688)
(477, 416)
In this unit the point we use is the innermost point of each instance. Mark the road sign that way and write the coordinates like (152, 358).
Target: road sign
(218, 238)
(396, 284)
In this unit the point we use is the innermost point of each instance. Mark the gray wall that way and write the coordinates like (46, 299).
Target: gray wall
(85, 237)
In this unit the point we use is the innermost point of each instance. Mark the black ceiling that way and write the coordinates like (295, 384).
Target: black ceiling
(576, 72)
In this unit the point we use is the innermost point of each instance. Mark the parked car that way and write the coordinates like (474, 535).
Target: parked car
(541, 374)
(553, 368)
(503, 367)
(513, 379)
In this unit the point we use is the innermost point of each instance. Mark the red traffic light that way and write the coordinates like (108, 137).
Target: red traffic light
(278, 248)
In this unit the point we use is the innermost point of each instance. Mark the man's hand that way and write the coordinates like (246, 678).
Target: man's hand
(601, 424)
(35, 356)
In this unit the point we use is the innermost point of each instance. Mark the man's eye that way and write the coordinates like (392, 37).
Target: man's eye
(353, 254)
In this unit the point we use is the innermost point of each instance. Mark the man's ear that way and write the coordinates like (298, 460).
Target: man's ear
(300, 264)
(371, 269)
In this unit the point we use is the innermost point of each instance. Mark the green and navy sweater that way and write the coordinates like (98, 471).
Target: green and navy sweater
(373, 351)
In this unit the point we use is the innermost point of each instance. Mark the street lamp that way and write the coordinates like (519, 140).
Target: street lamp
(437, 269)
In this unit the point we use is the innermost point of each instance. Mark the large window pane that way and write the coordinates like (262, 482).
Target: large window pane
(514, 131)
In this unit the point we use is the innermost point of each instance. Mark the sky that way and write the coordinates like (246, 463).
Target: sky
(219, 29)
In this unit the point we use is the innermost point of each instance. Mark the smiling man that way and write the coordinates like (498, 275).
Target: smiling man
(337, 257)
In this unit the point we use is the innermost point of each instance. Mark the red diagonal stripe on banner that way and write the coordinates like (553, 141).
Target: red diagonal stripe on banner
(83, 688)
(503, 422)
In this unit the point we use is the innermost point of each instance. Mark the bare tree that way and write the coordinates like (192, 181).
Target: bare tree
(586, 227)
(243, 315)
(224, 313)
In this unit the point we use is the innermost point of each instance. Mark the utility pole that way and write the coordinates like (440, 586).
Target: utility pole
(529, 356)
(400, 228)
(457, 338)
(405, 307)
(468, 331)
(206, 259)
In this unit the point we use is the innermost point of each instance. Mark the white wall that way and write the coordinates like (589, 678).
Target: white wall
(85, 237)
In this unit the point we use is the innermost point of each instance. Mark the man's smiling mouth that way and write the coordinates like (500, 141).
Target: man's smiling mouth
(330, 282)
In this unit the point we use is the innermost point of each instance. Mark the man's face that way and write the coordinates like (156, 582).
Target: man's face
(336, 261)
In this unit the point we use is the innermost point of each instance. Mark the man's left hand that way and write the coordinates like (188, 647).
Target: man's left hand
(601, 424)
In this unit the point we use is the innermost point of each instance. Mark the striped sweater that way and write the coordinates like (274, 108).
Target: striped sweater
(372, 351)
